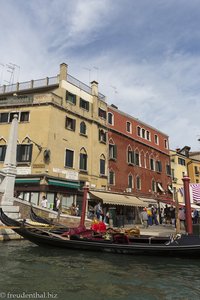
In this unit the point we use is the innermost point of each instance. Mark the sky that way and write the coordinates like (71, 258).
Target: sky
(145, 54)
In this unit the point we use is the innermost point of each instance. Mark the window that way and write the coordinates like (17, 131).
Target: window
(181, 161)
(153, 186)
(168, 169)
(4, 117)
(158, 166)
(102, 113)
(128, 127)
(24, 116)
(196, 170)
(111, 177)
(24, 153)
(138, 183)
(131, 156)
(148, 135)
(137, 159)
(130, 181)
(8, 117)
(166, 144)
(82, 128)
(84, 104)
(138, 131)
(102, 136)
(156, 139)
(70, 98)
(110, 118)
(143, 133)
(70, 124)
(2, 152)
(152, 164)
(83, 160)
(102, 165)
(11, 116)
(112, 151)
(69, 158)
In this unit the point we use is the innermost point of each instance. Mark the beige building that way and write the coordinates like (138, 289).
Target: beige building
(62, 139)
(184, 162)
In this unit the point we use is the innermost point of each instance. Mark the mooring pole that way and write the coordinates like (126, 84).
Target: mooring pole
(188, 215)
(85, 191)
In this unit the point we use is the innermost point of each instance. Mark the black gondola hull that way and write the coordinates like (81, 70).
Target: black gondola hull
(184, 246)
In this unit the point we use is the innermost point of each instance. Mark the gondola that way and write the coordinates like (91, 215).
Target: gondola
(57, 227)
(82, 239)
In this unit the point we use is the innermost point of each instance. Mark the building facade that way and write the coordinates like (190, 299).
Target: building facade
(139, 161)
(62, 136)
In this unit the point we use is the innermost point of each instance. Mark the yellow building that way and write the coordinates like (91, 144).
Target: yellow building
(62, 138)
(178, 170)
(184, 162)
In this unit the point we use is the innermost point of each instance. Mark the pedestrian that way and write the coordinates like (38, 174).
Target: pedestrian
(144, 217)
(195, 216)
(57, 204)
(44, 202)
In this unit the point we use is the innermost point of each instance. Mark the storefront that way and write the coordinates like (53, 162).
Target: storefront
(123, 209)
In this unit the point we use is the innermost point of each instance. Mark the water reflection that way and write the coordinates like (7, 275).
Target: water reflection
(92, 275)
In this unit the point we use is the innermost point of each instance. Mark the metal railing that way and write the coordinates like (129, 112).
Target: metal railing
(48, 81)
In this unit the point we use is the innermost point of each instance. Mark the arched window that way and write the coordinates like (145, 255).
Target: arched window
(143, 133)
(83, 128)
(130, 155)
(83, 160)
(139, 131)
(153, 185)
(110, 118)
(138, 183)
(130, 181)
(102, 165)
(111, 177)
(137, 158)
(128, 127)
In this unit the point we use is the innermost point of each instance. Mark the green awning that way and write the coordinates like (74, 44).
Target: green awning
(68, 184)
(27, 180)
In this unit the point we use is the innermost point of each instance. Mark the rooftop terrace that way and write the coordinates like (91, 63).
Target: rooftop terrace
(44, 82)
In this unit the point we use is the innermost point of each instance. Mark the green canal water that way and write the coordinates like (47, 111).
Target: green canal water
(31, 272)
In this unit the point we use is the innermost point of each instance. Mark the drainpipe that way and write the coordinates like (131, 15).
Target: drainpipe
(188, 216)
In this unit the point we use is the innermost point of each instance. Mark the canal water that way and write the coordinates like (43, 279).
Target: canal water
(31, 272)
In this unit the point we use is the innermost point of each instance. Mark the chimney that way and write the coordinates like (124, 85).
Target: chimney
(94, 88)
(63, 72)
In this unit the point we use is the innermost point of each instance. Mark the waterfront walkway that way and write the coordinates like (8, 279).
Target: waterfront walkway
(157, 230)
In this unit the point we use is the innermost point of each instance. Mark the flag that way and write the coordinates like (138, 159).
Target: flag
(194, 192)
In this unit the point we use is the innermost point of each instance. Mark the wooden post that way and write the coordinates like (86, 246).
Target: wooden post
(178, 225)
(188, 216)
(85, 191)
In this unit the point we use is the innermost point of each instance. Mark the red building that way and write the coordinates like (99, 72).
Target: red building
(139, 161)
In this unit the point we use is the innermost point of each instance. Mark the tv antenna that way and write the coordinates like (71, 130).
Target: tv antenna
(11, 69)
(1, 77)
(89, 72)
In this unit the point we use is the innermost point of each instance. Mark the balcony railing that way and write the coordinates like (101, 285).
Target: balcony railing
(44, 82)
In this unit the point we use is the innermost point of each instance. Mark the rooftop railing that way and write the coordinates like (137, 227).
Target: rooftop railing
(44, 82)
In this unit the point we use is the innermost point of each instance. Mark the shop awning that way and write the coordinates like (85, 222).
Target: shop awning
(27, 180)
(117, 199)
(148, 201)
(67, 184)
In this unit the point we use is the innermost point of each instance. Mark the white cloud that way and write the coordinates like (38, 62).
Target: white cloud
(145, 56)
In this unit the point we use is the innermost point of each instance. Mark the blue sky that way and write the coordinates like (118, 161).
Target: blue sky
(145, 54)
